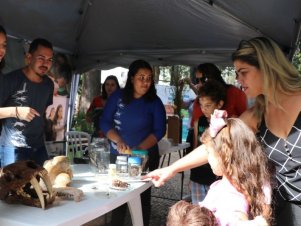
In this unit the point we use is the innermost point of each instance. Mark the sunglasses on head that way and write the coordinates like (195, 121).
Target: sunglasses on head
(202, 80)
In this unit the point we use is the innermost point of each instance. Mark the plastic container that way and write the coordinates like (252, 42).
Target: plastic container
(135, 166)
(122, 165)
(143, 154)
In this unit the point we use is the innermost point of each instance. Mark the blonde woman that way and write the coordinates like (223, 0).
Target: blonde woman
(265, 73)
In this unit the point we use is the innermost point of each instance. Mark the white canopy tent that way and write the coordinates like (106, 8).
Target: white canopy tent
(110, 33)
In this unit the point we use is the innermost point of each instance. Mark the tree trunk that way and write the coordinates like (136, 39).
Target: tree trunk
(156, 70)
(91, 87)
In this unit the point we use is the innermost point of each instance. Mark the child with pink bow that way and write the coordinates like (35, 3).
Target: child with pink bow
(234, 154)
(243, 195)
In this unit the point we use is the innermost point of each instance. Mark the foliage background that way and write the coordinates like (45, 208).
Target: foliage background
(170, 75)
(297, 58)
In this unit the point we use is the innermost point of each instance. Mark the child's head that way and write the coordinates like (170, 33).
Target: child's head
(234, 152)
(186, 214)
(212, 95)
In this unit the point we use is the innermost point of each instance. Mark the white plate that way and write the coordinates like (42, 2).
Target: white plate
(120, 188)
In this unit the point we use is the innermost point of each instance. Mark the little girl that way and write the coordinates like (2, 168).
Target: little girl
(186, 214)
(212, 95)
(234, 153)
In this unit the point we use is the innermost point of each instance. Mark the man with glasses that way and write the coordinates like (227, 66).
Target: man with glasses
(24, 96)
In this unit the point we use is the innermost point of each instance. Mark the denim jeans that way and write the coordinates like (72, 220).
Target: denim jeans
(10, 155)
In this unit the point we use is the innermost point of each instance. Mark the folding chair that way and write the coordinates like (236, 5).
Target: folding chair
(78, 143)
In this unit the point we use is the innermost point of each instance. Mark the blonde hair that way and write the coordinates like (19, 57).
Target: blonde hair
(279, 75)
(186, 214)
(244, 163)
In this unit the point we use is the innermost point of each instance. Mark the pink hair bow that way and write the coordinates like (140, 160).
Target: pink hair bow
(217, 122)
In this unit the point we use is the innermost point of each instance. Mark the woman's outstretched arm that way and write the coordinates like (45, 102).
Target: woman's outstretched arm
(197, 157)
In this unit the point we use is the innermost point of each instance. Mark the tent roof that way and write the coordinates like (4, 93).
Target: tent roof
(111, 33)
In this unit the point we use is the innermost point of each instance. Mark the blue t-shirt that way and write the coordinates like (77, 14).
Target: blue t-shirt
(134, 121)
(17, 90)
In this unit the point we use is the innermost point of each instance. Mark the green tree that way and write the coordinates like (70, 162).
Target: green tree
(172, 75)
(297, 58)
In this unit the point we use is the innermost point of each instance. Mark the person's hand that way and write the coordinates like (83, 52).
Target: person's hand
(26, 113)
(198, 86)
(122, 147)
(160, 176)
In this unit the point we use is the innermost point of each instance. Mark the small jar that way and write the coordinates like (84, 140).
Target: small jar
(143, 154)
(121, 165)
(134, 166)
(112, 170)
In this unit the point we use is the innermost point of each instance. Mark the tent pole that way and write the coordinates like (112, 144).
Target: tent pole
(72, 100)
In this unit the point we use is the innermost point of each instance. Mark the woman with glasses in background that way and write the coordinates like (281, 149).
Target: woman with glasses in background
(236, 100)
(135, 118)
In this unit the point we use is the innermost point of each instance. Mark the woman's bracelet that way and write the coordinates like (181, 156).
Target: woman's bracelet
(17, 114)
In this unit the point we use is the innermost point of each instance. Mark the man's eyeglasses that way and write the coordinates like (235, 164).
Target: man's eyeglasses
(201, 79)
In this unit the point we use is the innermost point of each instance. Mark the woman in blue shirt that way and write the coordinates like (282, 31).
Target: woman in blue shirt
(135, 118)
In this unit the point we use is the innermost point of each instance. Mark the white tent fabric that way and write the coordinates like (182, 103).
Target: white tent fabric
(109, 33)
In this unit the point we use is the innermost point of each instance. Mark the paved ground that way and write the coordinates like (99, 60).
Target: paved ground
(170, 190)
(162, 199)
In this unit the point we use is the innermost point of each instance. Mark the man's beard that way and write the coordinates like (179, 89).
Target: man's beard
(42, 74)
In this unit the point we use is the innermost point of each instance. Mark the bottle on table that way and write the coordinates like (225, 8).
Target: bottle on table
(112, 170)
(122, 166)
(134, 164)
(143, 154)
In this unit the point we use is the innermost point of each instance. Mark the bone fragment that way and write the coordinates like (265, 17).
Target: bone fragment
(38, 190)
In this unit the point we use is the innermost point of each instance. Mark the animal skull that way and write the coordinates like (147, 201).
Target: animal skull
(19, 184)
